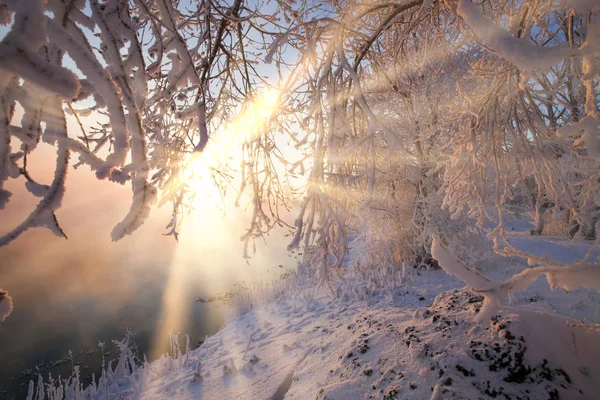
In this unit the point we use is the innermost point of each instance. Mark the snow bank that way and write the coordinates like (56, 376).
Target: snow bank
(423, 340)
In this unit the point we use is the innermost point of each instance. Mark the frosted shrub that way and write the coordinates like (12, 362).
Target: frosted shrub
(127, 377)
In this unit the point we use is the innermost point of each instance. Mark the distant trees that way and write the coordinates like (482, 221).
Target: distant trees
(424, 113)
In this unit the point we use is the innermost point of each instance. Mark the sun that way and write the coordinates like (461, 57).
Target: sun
(255, 116)
(224, 149)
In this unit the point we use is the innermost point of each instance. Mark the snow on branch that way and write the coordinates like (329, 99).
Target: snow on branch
(523, 54)
(490, 289)
(43, 215)
(19, 60)
(19, 52)
(453, 266)
(569, 278)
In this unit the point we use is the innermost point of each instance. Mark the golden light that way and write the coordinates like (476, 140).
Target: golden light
(224, 148)
(252, 121)
(203, 233)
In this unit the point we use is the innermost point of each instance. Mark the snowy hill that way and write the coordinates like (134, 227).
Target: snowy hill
(419, 341)
(411, 348)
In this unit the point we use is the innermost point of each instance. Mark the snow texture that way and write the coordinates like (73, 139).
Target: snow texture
(421, 341)
(19, 52)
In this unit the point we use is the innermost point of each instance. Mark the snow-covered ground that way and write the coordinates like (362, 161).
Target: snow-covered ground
(419, 341)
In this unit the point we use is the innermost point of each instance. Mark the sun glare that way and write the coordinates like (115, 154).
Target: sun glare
(248, 125)
(225, 146)
(253, 119)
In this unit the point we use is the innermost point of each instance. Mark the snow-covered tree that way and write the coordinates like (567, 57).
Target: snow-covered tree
(425, 113)
(468, 103)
